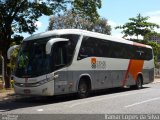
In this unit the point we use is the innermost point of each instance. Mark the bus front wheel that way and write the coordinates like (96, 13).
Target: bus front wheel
(83, 89)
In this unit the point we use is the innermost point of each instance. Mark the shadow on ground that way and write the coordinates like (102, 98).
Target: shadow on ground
(30, 101)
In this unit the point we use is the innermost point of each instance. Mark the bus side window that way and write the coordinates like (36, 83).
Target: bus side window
(82, 53)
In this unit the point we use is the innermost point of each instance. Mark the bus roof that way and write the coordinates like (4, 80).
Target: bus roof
(81, 32)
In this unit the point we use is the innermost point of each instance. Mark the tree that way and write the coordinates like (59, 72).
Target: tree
(12, 63)
(17, 16)
(156, 50)
(156, 46)
(69, 20)
(137, 26)
(86, 8)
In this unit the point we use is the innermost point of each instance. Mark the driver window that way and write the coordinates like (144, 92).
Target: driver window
(58, 58)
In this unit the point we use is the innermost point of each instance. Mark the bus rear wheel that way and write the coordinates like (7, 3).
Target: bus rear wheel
(83, 89)
(139, 83)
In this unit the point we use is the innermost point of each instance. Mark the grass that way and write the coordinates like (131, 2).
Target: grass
(6, 90)
(5, 93)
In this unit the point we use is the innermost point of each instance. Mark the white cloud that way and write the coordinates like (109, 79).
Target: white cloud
(117, 35)
(113, 24)
(154, 18)
(115, 32)
(154, 13)
(38, 24)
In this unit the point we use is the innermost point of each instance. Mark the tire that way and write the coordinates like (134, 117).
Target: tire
(139, 83)
(83, 89)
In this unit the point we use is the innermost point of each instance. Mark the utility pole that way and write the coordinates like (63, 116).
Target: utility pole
(3, 82)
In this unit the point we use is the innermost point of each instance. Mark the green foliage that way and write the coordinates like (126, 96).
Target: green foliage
(156, 50)
(17, 16)
(137, 26)
(17, 39)
(12, 83)
(69, 20)
(12, 63)
(156, 46)
(87, 8)
(21, 15)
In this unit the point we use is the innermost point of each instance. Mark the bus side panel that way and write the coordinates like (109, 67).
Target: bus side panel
(112, 76)
(117, 69)
(148, 71)
(68, 80)
(151, 75)
(148, 75)
(60, 82)
(145, 76)
(104, 79)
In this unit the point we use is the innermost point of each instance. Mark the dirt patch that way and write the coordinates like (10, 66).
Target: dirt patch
(5, 93)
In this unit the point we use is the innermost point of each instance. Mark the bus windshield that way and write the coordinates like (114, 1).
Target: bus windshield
(33, 60)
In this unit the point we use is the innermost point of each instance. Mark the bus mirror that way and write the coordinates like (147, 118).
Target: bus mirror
(10, 50)
(52, 41)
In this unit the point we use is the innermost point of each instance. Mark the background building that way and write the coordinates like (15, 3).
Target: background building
(155, 38)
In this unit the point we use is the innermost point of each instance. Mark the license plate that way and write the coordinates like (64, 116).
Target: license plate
(27, 91)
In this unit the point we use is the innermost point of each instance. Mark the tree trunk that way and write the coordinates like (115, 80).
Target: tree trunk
(7, 73)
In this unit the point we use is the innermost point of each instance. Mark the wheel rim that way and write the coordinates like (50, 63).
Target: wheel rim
(139, 83)
(83, 90)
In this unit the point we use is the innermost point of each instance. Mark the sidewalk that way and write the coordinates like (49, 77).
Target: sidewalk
(156, 80)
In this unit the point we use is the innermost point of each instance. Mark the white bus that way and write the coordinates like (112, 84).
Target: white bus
(79, 61)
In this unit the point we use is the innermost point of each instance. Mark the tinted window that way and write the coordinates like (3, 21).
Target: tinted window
(63, 52)
(94, 47)
(70, 48)
(59, 58)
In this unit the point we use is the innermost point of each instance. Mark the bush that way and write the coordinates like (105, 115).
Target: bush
(12, 83)
(1, 86)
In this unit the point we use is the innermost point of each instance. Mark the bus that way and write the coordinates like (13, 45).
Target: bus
(78, 61)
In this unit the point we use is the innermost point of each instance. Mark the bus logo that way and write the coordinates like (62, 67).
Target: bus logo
(96, 64)
(93, 63)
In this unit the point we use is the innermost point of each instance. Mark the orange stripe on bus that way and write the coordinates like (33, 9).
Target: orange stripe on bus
(134, 67)
(126, 75)
(139, 44)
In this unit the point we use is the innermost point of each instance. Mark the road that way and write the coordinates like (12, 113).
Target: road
(111, 101)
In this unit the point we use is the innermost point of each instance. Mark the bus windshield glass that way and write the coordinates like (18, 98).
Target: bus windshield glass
(33, 60)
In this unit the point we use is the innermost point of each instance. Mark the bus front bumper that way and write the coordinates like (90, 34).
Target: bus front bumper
(46, 89)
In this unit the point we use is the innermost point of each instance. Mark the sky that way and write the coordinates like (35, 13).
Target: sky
(118, 12)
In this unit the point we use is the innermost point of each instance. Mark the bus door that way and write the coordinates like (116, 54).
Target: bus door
(58, 66)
